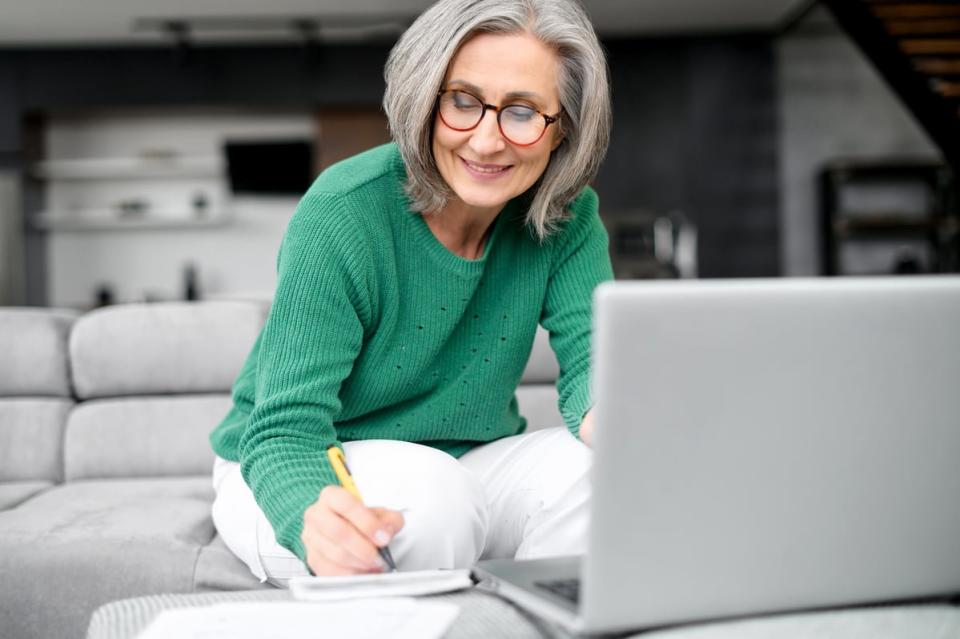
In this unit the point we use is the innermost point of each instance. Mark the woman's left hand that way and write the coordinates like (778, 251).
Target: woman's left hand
(586, 428)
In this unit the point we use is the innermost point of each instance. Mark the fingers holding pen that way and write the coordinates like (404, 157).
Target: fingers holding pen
(369, 521)
(390, 520)
(342, 536)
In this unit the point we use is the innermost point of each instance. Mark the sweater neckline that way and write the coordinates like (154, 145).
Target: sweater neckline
(447, 259)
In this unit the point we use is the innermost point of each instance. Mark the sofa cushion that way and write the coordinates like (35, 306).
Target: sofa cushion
(148, 436)
(33, 343)
(77, 546)
(538, 403)
(542, 367)
(140, 349)
(31, 438)
(219, 569)
(13, 493)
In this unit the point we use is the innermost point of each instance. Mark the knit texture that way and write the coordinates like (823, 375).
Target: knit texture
(377, 331)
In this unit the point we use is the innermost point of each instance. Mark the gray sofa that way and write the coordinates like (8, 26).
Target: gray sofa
(104, 461)
(105, 480)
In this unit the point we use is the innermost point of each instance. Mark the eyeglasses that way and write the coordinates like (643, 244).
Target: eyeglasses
(519, 124)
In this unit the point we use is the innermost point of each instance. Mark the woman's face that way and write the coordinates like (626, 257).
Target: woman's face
(483, 169)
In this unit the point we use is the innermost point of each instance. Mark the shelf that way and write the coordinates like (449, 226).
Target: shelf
(854, 224)
(890, 227)
(934, 227)
(161, 167)
(90, 221)
(891, 170)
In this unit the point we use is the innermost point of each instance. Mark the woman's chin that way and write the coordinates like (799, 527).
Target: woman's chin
(484, 202)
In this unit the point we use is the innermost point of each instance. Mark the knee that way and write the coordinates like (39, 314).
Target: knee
(445, 515)
(562, 461)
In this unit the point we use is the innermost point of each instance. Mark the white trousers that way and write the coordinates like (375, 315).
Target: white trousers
(524, 496)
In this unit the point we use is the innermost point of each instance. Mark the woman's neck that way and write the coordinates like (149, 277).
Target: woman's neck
(463, 230)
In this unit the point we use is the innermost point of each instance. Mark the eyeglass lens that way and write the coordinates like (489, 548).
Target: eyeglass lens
(519, 123)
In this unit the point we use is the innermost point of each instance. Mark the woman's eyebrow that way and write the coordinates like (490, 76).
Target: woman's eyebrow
(472, 88)
(524, 94)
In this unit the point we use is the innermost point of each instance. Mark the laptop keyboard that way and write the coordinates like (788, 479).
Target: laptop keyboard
(569, 589)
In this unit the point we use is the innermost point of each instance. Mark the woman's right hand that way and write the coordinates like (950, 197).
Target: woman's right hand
(341, 535)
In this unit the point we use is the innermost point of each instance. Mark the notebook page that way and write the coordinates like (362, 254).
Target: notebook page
(402, 618)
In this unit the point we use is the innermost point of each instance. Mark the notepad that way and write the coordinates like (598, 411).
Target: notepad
(414, 582)
(398, 618)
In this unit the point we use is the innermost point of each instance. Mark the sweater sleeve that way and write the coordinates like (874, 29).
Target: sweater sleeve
(580, 263)
(307, 348)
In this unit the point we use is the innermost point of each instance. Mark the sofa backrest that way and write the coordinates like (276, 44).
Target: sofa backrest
(134, 390)
(35, 399)
(153, 380)
(537, 393)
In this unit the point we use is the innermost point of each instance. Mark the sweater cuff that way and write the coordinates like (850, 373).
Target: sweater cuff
(575, 407)
(298, 549)
(290, 528)
(289, 535)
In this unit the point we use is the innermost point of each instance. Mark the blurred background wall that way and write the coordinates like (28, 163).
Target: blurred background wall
(116, 184)
(833, 104)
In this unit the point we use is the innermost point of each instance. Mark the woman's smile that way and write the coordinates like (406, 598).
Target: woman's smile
(485, 170)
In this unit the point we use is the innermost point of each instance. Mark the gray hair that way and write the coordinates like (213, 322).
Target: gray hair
(418, 62)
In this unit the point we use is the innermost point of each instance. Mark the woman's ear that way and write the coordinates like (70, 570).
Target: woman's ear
(556, 142)
(558, 135)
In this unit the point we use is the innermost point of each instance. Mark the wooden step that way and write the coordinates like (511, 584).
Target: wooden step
(919, 10)
(948, 26)
(947, 89)
(923, 46)
(937, 66)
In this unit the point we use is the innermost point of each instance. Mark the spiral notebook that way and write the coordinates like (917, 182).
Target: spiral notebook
(390, 584)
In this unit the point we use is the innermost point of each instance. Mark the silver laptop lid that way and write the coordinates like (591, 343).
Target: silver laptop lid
(771, 445)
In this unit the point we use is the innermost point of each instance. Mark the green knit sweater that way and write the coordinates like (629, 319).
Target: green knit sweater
(377, 331)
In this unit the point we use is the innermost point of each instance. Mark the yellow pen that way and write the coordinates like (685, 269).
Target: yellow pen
(339, 463)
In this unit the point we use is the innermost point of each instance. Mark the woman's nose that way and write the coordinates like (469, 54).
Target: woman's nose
(486, 138)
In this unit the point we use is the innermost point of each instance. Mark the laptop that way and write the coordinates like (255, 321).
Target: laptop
(762, 446)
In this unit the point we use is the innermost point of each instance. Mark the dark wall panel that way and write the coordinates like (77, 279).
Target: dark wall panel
(9, 113)
(251, 76)
(695, 130)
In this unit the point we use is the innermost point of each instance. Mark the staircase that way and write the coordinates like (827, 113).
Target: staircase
(915, 45)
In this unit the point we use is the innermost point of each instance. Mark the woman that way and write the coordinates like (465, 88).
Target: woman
(410, 284)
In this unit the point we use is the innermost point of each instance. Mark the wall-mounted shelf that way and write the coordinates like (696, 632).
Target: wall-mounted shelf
(109, 221)
(883, 227)
(133, 168)
(925, 237)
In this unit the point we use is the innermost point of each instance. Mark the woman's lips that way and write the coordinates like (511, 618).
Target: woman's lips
(483, 171)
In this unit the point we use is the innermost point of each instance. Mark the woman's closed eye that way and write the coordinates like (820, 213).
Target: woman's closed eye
(519, 113)
(466, 102)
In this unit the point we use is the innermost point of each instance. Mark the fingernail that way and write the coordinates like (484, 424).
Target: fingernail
(382, 537)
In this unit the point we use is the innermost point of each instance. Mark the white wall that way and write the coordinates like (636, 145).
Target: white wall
(234, 260)
(832, 104)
